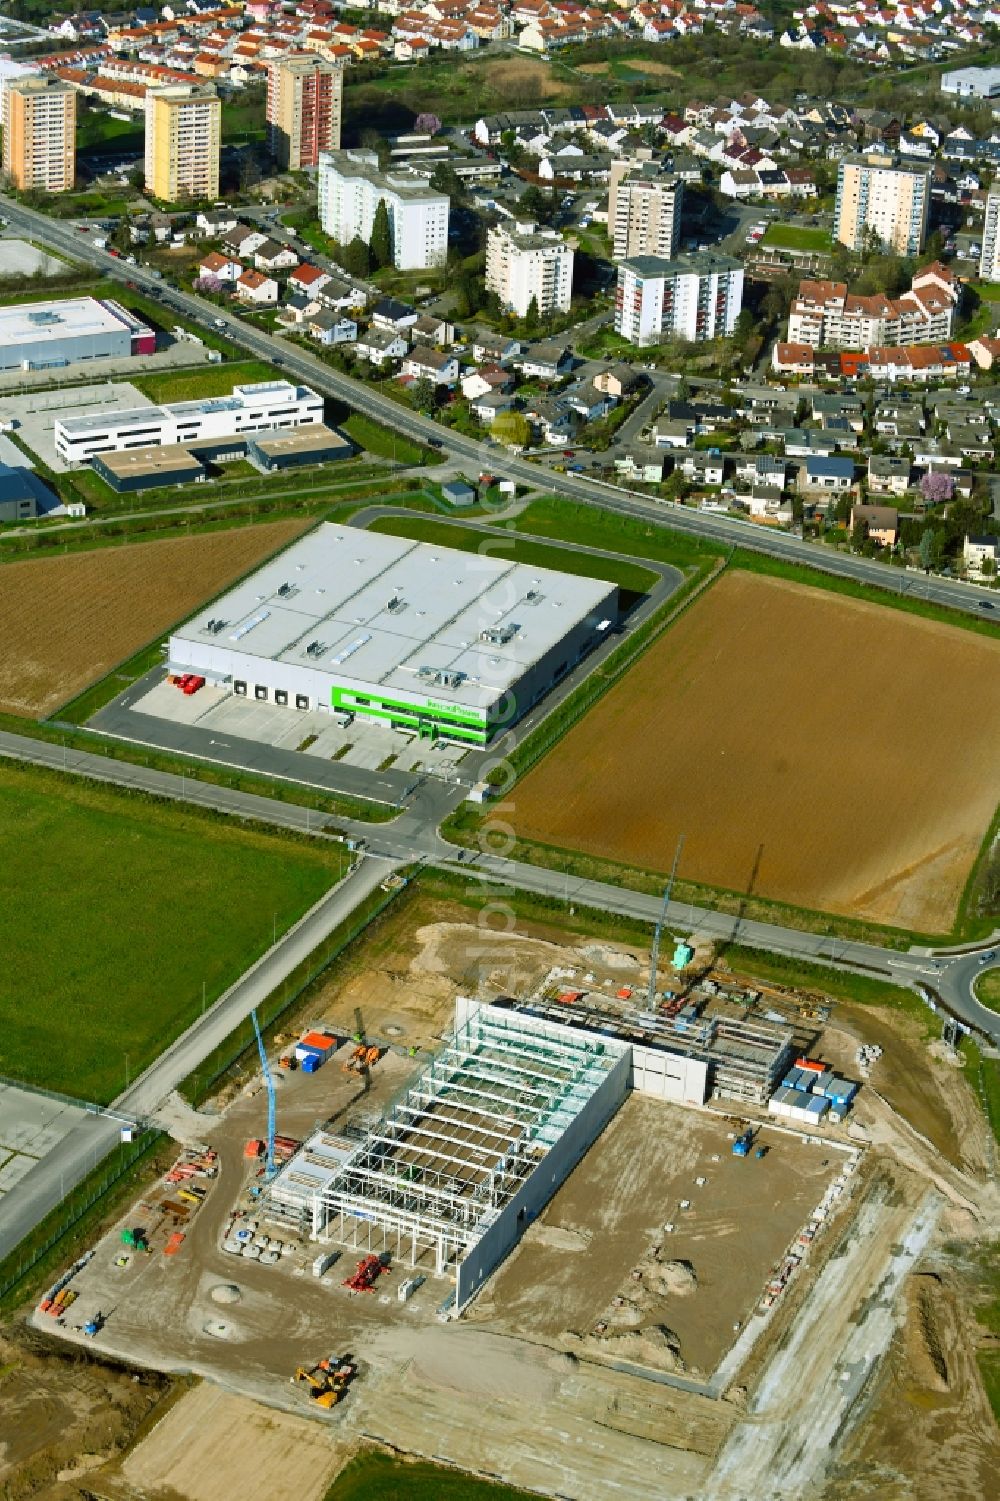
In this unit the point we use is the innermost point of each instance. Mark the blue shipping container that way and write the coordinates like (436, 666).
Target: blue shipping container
(311, 1063)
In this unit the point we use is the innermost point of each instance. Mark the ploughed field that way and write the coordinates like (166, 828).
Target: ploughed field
(66, 621)
(845, 750)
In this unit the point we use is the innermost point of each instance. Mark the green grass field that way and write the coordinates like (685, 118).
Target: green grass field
(388, 445)
(116, 910)
(987, 988)
(796, 237)
(628, 576)
(378, 1477)
(568, 521)
(986, 291)
(205, 380)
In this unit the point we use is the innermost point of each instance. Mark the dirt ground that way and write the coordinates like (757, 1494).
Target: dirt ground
(930, 1434)
(66, 621)
(573, 1269)
(731, 729)
(63, 1412)
(637, 64)
(267, 1453)
(405, 979)
(525, 75)
(925, 1087)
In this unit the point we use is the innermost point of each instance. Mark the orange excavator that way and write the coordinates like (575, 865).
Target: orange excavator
(326, 1380)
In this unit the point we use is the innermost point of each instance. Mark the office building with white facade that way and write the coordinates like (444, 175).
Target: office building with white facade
(525, 263)
(351, 187)
(694, 297)
(206, 427)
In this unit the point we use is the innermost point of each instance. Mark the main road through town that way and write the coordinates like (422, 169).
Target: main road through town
(306, 367)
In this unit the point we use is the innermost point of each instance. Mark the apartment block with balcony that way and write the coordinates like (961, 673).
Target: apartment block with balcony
(695, 297)
(351, 186)
(526, 264)
(881, 195)
(39, 133)
(304, 101)
(183, 141)
(989, 259)
(644, 210)
(825, 314)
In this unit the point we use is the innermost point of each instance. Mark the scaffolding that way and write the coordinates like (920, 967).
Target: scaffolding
(438, 1170)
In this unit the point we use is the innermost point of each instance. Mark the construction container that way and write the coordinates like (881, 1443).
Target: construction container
(318, 1041)
(408, 1288)
(312, 1063)
(324, 1261)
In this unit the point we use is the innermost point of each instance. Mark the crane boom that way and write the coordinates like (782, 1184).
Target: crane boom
(269, 1164)
(654, 958)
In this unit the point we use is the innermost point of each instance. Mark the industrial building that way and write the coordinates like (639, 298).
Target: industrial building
(471, 1153)
(314, 443)
(417, 637)
(48, 335)
(212, 427)
(688, 1058)
(146, 468)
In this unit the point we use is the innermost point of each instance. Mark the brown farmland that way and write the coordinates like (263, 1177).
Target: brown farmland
(66, 621)
(852, 746)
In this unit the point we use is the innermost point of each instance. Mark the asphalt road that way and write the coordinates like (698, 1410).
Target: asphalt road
(302, 365)
(44, 1187)
(413, 837)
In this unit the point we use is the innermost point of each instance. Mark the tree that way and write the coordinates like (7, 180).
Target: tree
(381, 241)
(859, 535)
(356, 258)
(512, 429)
(424, 392)
(426, 123)
(988, 568)
(926, 548)
(531, 318)
(936, 488)
(830, 514)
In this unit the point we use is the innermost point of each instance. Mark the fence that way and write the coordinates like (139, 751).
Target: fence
(242, 1038)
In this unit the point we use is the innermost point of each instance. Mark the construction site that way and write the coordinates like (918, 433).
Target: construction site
(506, 1186)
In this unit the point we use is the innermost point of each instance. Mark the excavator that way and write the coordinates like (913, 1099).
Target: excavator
(326, 1380)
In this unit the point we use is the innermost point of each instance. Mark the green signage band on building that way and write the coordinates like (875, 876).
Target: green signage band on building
(428, 719)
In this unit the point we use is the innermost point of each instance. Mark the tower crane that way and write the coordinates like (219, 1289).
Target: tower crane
(270, 1167)
(654, 958)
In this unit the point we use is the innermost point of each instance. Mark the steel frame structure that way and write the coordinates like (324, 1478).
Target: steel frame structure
(440, 1167)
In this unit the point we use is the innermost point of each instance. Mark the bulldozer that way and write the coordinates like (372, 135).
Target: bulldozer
(326, 1381)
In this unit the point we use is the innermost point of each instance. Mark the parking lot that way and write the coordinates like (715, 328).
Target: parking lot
(31, 1126)
(36, 413)
(361, 744)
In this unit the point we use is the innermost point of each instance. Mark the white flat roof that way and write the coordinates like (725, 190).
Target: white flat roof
(378, 609)
(44, 322)
(239, 399)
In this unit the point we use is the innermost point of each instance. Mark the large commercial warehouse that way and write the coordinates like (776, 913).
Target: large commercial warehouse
(47, 335)
(414, 636)
(204, 425)
(472, 1152)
